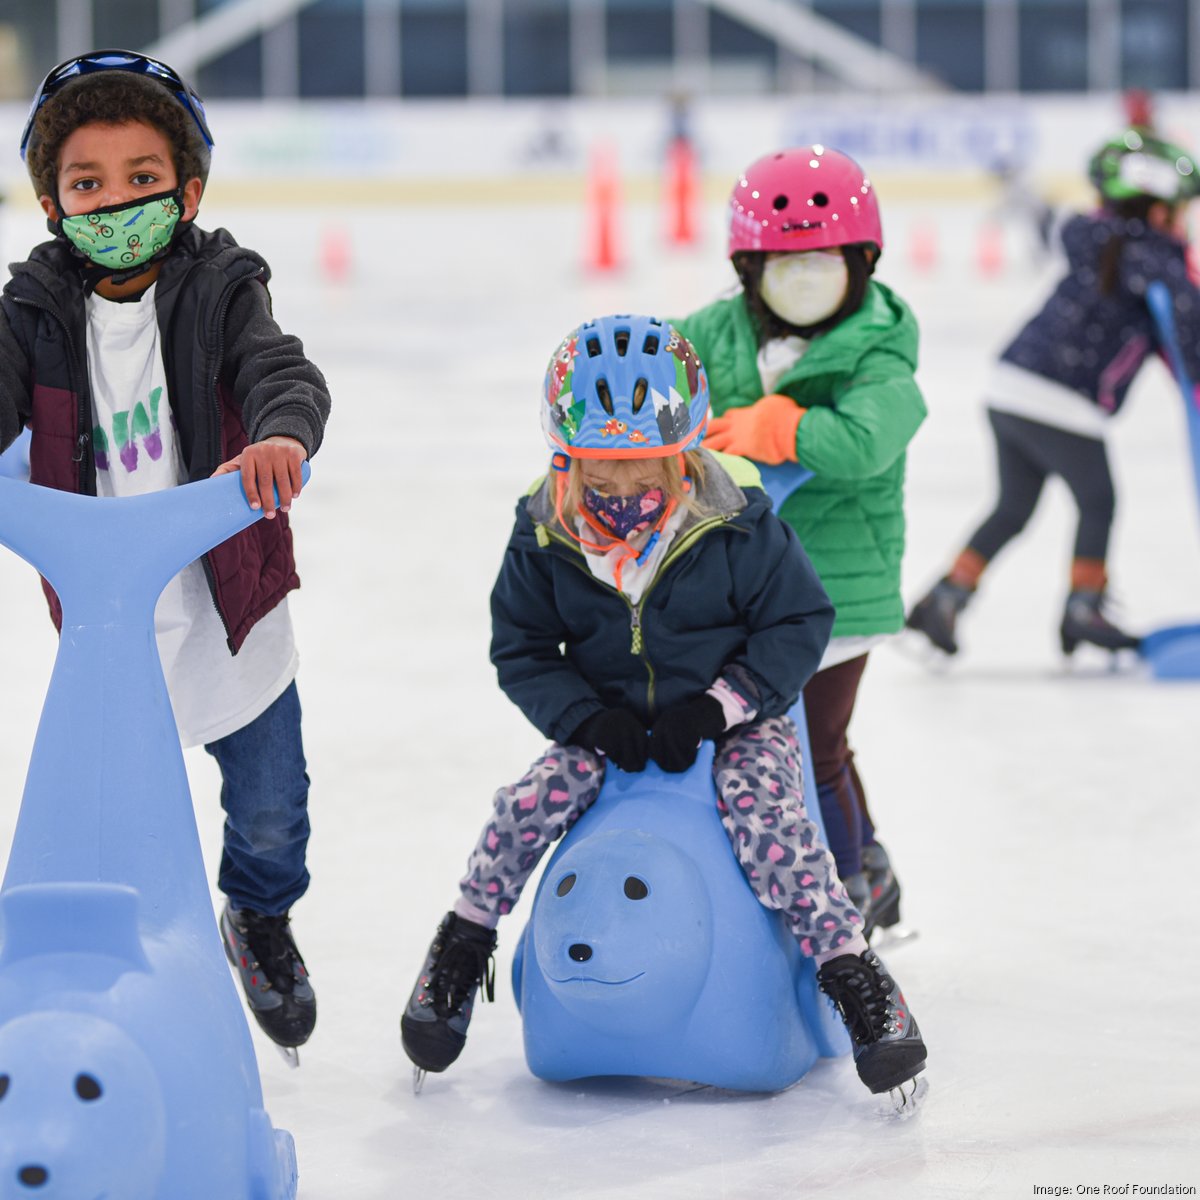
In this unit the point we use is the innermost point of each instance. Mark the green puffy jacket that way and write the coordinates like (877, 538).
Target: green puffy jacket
(863, 408)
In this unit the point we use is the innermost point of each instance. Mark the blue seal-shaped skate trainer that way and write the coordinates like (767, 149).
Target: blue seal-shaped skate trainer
(126, 1067)
(646, 952)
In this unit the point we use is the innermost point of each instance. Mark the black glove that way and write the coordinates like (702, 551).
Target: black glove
(617, 733)
(677, 734)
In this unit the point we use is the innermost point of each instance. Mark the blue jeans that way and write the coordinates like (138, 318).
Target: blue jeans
(264, 793)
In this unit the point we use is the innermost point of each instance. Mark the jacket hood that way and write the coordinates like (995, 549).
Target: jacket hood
(883, 321)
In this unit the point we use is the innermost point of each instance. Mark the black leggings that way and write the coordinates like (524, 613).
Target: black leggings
(1026, 453)
(829, 698)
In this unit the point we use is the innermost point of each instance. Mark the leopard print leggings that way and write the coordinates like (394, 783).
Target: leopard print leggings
(760, 800)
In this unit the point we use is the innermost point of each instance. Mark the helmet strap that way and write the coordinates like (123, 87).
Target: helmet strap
(685, 478)
(93, 273)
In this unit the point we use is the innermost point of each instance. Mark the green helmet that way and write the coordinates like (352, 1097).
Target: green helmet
(1139, 164)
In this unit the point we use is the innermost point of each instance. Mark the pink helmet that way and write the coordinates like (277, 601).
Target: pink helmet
(803, 199)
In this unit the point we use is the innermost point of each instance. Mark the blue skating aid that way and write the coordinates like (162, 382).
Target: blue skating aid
(781, 481)
(1158, 300)
(1174, 652)
(14, 462)
(646, 952)
(128, 1069)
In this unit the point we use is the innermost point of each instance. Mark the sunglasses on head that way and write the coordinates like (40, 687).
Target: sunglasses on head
(117, 60)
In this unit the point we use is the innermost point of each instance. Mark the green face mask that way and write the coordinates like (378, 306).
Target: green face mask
(125, 236)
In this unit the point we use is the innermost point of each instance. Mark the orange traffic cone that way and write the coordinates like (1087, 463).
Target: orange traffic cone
(602, 201)
(681, 192)
(989, 249)
(922, 246)
(334, 254)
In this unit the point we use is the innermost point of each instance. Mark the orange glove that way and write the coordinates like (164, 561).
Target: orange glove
(764, 431)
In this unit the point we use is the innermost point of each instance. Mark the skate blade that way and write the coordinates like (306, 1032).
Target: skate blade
(916, 647)
(291, 1055)
(418, 1080)
(904, 1102)
(889, 937)
(1094, 662)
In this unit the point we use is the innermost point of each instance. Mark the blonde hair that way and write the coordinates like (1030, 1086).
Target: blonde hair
(673, 477)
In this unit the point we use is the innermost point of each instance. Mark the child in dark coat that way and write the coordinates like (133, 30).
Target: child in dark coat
(1067, 372)
(648, 600)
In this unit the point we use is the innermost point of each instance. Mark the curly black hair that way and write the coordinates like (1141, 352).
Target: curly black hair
(112, 98)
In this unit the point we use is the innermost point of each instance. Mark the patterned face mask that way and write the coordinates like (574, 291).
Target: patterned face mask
(126, 235)
(623, 516)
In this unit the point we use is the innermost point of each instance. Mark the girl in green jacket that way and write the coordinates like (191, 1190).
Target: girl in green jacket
(812, 363)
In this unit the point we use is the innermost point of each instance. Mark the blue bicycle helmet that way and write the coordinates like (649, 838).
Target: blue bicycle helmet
(625, 387)
(118, 60)
(198, 139)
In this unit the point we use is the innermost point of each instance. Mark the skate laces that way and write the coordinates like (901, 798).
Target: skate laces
(861, 991)
(270, 941)
(464, 964)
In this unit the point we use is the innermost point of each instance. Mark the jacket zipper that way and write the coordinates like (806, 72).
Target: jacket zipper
(222, 308)
(82, 436)
(637, 644)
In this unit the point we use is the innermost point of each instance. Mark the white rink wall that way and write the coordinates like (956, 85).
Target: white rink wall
(930, 143)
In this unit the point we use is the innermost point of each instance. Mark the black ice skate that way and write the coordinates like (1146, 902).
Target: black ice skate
(888, 1050)
(434, 1025)
(273, 976)
(1084, 621)
(936, 613)
(859, 891)
(883, 889)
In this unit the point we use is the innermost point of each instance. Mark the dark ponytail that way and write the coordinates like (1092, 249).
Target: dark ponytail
(1134, 215)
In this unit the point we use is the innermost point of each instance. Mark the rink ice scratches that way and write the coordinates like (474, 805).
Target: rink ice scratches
(1042, 825)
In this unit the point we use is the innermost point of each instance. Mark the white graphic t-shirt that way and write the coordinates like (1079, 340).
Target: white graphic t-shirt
(137, 450)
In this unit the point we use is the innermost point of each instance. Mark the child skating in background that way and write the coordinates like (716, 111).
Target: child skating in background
(142, 354)
(1058, 383)
(812, 362)
(648, 600)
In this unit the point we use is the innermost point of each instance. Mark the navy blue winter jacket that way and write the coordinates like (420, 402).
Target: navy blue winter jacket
(1095, 343)
(735, 595)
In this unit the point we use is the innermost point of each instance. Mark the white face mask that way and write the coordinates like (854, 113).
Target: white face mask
(806, 287)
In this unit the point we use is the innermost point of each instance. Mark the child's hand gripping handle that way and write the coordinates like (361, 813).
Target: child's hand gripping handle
(108, 558)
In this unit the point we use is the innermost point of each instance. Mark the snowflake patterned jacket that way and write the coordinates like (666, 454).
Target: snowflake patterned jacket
(1093, 343)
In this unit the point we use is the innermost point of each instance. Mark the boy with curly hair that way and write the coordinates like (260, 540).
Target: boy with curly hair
(141, 353)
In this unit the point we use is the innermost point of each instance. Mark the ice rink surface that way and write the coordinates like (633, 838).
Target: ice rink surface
(1043, 821)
